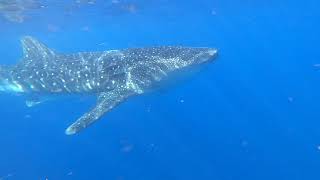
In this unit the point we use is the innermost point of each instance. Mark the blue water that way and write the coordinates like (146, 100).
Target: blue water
(253, 114)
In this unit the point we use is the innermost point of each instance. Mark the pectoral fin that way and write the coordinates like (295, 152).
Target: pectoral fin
(106, 101)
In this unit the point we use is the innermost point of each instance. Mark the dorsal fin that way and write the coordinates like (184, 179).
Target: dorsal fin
(35, 50)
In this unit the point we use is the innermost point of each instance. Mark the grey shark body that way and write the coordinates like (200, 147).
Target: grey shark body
(112, 75)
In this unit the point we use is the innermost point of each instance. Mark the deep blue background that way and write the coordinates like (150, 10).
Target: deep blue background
(253, 114)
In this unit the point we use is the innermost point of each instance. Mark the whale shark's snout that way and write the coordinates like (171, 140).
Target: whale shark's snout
(186, 57)
(205, 55)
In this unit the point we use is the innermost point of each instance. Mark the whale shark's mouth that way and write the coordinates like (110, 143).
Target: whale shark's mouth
(208, 54)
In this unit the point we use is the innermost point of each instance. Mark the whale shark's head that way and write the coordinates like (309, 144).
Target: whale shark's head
(188, 61)
(179, 58)
(159, 66)
(200, 55)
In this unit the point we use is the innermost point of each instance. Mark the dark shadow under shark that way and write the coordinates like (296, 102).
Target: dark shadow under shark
(113, 75)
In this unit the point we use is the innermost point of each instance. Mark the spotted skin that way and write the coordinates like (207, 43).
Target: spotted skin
(113, 75)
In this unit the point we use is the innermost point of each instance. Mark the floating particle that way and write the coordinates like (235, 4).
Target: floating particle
(92, 2)
(53, 28)
(85, 28)
(102, 44)
(290, 99)
(85, 2)
(27, 116)
(120, 178)
(115, 1)
(126, 146)
(151, 147)
(6, 176)
(316, 65)
(131, 8)
(213, 12)
(148, 109)
(244, 143)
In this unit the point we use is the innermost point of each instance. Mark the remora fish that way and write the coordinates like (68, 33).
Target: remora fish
(113, 75)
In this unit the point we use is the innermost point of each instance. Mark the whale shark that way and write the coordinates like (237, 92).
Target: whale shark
(112, 75)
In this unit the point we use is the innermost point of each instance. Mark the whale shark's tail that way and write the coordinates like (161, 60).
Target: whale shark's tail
(4, 72)
(6, 84)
